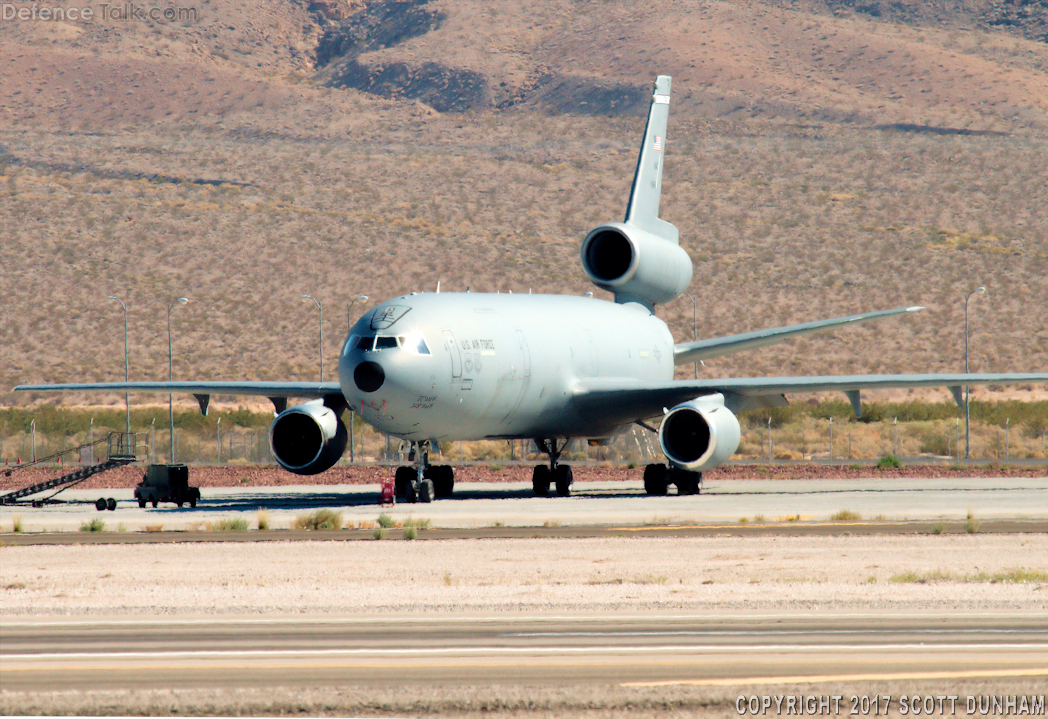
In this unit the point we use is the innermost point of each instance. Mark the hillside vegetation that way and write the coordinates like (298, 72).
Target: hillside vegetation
(824, 158)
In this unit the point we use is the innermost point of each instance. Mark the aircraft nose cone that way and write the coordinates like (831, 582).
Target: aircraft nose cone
(369, 376)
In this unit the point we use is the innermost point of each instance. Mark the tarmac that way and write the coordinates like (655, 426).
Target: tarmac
(600, 504)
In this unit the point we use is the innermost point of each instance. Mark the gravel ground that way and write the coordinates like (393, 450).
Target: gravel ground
(963, 572)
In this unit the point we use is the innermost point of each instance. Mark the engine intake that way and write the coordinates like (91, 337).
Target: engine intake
(635, 265)
(700, 434)
(308, 438)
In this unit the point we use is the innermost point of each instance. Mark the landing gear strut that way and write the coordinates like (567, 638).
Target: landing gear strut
(559, 475)
(658, 477)
(422, 481)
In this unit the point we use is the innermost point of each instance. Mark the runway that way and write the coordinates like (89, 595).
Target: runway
(648, 649)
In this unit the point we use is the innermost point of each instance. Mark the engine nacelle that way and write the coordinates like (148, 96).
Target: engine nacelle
(308, 438)
(635, 265)
(700, 434)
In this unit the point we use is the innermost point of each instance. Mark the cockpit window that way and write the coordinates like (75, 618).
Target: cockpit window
(413, 343)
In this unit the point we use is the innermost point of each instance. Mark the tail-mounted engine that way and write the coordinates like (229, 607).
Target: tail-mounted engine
(635, 265)
(700, 434)
(308, 438)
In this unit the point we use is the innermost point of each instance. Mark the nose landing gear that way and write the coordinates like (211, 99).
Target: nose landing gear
(422, 481)
(559, 475)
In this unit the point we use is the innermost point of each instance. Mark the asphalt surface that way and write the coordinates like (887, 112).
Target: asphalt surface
(649, 649)
(606, 504)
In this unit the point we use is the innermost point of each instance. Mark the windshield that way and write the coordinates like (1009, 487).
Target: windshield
(414, 343)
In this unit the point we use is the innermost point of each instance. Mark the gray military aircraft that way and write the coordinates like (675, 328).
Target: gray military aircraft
(433, 367)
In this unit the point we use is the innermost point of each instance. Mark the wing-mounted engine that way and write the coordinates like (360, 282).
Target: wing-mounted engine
(700, 434)
(308, 438)
(640, 259)
(635, 265)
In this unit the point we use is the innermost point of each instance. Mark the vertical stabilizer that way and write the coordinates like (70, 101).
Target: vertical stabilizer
(643, 208)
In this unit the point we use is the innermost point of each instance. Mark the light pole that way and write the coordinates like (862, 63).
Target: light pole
(694, 331)
(171, 377)
(967, 388)
(127, 395)
(321, 311)
(349, 312)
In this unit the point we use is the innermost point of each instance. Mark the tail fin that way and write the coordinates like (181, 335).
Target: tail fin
(643, 208)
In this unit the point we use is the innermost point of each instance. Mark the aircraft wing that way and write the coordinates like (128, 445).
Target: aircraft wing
(625, 400)
(277, 392)
(704, 349)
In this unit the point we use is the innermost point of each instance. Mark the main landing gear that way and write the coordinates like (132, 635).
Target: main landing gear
(423, 482)
(658, 477)
(556, 474)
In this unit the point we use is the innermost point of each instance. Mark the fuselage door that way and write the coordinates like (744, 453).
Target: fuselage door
(456, 356)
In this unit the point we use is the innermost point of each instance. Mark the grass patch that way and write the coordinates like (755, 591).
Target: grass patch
(379, 533)
(1019, 575)
(743, 520)
(888, 461)
(263, 520)
(153, 528)
(16, 524)
(412, 523)
(320, 519)
(971, 524)
(228, 524)
(497, 523)
(410, 533)
(448, 580)
(385, 521)
(914, 578)
(793, 518)
(551, 523)
(95, 525)
(846, 515)
(758, 519)
(939, 528)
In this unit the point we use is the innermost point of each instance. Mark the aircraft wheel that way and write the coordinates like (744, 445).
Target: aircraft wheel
(155, 503)
(180, 504)
(655, 479)
(192, 503)
(403, 481)
(445, 481)
(111, 504)
(687, 482)
(540, 479)
(564, 478)
(100, 505)
(425, 491)
(141, 503)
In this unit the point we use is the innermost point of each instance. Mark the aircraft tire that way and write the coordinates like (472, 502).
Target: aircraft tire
(540, 479)
(141, 503)
(443, 481)
(425, 491)
(655, 479)
(155, 503)
(100, 505)
(564, 479)
(403, 481)
(687, 482)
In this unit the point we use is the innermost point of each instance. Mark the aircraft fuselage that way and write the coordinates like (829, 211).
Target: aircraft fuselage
(494, 365)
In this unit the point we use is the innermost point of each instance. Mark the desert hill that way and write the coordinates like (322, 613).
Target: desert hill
(824, 158)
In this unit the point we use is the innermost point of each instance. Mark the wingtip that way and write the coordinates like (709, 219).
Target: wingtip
(914, 309)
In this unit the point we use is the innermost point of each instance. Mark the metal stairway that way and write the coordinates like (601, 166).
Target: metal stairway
(123, 449)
